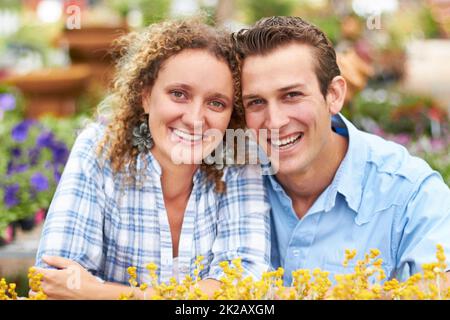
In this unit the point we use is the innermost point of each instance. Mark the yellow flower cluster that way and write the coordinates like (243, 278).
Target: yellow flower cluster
(365, 282)
(8, 292)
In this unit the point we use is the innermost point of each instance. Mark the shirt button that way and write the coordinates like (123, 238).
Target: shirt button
(296, 252)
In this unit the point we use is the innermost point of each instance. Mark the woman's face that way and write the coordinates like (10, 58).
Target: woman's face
(189, 106)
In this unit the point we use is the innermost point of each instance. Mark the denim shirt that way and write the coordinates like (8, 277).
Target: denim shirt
(381, 197)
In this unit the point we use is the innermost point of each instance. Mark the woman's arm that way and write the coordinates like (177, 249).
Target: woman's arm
(74, 224)
(73, 282)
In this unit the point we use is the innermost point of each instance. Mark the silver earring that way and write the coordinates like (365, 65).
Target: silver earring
(142, 138)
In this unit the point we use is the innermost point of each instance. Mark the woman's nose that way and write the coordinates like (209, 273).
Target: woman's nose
(194, 116)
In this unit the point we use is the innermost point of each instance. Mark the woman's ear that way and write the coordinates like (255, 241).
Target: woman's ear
(145, 99)
(336, 94)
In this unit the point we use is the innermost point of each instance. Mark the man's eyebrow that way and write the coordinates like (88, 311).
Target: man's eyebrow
(293, 86)
(283, 89)
(250, 96)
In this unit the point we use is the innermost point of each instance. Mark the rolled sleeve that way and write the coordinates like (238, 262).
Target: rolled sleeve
(74, 225)
(243, 229)
(425, 224)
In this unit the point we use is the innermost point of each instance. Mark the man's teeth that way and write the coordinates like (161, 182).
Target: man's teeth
(186, 136)
(286, 141)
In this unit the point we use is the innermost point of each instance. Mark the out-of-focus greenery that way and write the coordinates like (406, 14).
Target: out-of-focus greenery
(330, 25)
(436, 153)
(10, 4)
(257, 9)
(152, 10)
(397, 112)
(404, 25)
(416, 122)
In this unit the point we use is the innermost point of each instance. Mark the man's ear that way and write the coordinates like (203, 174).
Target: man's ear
(336, 94)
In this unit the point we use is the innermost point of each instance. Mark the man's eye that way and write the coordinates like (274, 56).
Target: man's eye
(255, 102)
(293, 94)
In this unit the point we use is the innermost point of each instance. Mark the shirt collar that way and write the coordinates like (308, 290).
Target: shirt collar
(154, 168)
(349, 178)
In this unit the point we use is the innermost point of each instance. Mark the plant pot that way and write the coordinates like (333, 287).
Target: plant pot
(53, 90)
(27, 224)
(93, 45)
(8, 235)
(39, 217)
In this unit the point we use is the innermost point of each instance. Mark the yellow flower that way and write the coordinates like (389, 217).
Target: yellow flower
(349, 255)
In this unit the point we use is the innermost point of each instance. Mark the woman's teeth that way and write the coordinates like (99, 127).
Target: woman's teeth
(186, 136)
(286, 142)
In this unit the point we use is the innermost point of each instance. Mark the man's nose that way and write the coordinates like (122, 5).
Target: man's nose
(275, 117)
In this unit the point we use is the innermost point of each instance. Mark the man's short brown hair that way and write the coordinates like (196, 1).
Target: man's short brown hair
(271, 33)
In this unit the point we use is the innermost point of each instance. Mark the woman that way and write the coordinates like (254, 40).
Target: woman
(137, 191)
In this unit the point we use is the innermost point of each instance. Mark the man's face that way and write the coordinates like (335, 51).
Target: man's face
(281, 91)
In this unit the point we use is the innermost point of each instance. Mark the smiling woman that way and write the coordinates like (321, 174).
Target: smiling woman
(138, 191)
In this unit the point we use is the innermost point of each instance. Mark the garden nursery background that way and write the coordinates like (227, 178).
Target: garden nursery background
(55, 67)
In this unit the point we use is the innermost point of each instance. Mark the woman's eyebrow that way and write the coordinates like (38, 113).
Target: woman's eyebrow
(180, 85)
(220, 96)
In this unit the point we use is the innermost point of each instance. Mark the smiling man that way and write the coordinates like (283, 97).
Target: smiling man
(335, 187)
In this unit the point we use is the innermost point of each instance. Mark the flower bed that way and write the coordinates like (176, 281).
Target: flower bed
(367, 282)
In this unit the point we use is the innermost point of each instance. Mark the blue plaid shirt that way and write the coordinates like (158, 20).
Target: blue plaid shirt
(106, 227)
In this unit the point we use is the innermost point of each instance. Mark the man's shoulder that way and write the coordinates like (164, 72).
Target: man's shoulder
(387, 158)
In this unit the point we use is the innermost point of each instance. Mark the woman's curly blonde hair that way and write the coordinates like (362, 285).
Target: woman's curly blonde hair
(139, 57)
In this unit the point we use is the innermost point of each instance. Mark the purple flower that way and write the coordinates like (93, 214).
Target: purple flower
(60, 153)
(39, 182)
(45, 140)
(56, 175)
(16, 152)
(20, 131)
(34, 154)
(7, 102)
(10, 197)
(16, 168)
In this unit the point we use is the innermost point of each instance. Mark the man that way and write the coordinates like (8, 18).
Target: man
(336, 187)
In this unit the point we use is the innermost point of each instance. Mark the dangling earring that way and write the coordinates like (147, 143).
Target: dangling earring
(142, 138)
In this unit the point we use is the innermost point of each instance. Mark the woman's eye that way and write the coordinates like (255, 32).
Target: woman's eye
(177, 94)
(217, 104)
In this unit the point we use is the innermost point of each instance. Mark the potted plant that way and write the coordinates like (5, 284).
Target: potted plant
(32, 157)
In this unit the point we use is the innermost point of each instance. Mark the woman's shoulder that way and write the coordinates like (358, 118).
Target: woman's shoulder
(90, 135)
(84, 150)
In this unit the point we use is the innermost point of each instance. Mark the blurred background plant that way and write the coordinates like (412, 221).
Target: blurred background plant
(32, 157)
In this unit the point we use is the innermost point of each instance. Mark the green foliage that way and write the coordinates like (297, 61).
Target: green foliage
(257, 9)
(397, 112)
(330, 25)
(153, 10)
